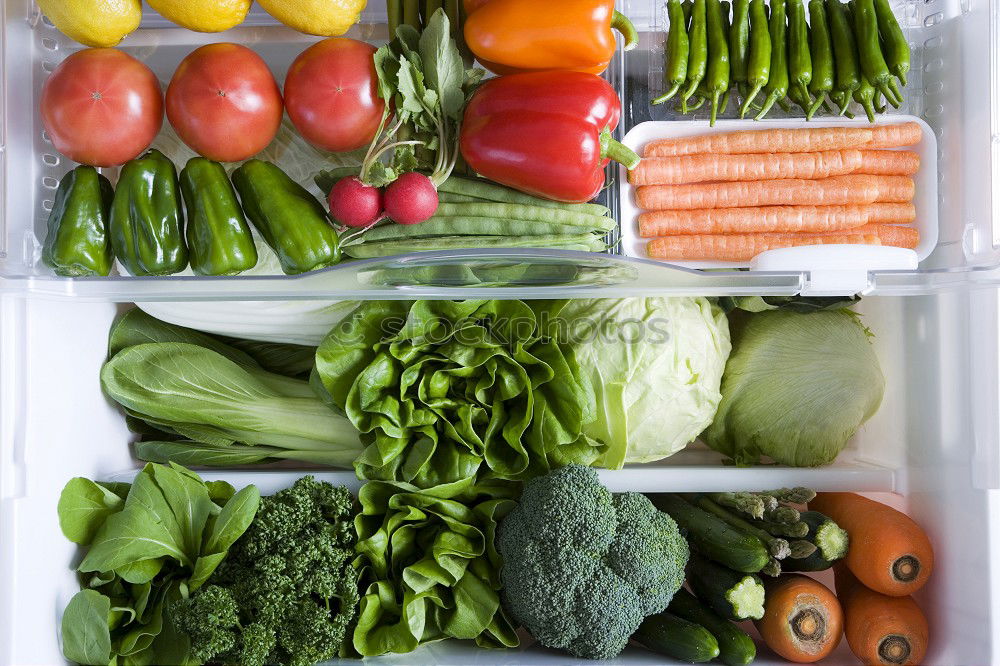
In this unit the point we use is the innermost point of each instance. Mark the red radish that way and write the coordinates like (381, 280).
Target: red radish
(355, 204)
(411, 198)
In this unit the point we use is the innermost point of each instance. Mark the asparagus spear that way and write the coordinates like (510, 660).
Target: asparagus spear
(801, 549)
(778, 548)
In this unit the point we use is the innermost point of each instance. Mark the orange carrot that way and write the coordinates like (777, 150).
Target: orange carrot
(836, 190)
(881, 630)
(889, 162)
(787, 219)
(889, 552)
(705, 167)
(894, 136)
(743, 247)
(801, 140)
(891, 234)
(803, 620)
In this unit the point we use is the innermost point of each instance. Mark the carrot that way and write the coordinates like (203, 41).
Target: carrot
(786, 219)
(707, 167)
(889, 162)
(891, 234)
(743, 247)
(801, 140)
(880, 630)
(894, 136)
(889, 552)
(836, 190)
(802, 619)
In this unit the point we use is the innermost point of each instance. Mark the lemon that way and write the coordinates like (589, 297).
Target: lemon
(327, 18)
(94, 22)
(203, 15)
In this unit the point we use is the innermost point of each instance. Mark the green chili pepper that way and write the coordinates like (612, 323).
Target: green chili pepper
(865, 96)
(686, 7)
(822, 56)
(146, 220)
(219, 240)
(717, 79)
(873, 64)
(759, 56)
(697, 50)
(845, 51)
(290, 219)
(894, 44)
(76, 244)
(777, 84)
(739, 41)
(799, 58)
(677, 52)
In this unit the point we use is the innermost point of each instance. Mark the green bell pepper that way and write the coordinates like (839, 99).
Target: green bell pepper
(218, 237)
(146, 220)
(290, 219)
(77, 241)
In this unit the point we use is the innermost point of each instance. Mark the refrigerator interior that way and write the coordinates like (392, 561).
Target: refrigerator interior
(931, 449)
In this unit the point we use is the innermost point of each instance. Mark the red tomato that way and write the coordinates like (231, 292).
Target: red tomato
(102, 107)
(331, 94)
(224, 102)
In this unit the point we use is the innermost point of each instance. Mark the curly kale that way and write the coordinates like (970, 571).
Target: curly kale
(583, 567)
(286, 593)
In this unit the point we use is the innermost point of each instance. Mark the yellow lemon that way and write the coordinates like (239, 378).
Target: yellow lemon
(101, 23)
(327, 18)
(203, 15)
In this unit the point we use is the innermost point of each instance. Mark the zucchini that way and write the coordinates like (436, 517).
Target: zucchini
(732, 594)
(713, 537)
(677, 638)
(831, 543)
(736, 648)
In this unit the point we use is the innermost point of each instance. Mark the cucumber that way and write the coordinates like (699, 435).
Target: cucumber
(677, 638)
(736, 648)
(713, 537)
(831, 543)
(732, 594)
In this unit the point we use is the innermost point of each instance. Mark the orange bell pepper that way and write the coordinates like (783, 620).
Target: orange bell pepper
(509, 36)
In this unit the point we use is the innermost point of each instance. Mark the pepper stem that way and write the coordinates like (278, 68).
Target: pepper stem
(621, 23)
(618, 152)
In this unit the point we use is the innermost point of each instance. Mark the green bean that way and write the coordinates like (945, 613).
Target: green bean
(739, 41)
(482, 189)
(697, 50)
(822, 56)
(717, 79)
(777, 84)
(510, 211)
(675, 73)
(873, 64)
(411, 13)
(799, 58)
(759, 56)
(894, 46)
(446, 225)
(394, 11)
(580, 242)
(845, 51)
(448, 197)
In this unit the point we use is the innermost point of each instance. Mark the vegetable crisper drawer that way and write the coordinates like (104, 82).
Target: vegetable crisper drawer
(948, 88)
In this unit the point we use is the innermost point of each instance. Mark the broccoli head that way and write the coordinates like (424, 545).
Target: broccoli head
(583, 567)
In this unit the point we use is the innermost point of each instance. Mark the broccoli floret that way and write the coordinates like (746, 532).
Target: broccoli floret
(289, 578)
(583, 567)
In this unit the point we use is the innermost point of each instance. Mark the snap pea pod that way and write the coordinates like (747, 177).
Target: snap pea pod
(873, 64)
(580, 242)
(821, 51)
(894, 45)
(502, 211)
(777, 84)
(675, 73)
(452, 225)
(739, 41)
(845, 51)
(759, 55)
(799, 58)
(717, 78)
(697, 50)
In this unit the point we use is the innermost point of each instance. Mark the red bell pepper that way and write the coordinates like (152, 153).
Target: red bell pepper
(545, 133)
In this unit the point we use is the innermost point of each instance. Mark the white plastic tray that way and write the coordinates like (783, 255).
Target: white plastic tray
(801, 258)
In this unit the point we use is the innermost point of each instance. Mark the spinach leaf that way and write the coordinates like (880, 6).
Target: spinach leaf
(85, 634)
(83, 508)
